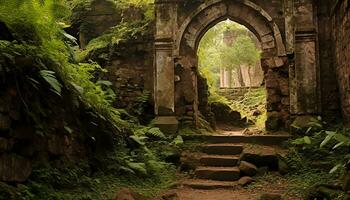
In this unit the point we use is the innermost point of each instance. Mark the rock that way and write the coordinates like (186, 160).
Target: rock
(323, 191)
(262, 171)
(224, 114)
(302, 123)
(189, 161)
(244, 181)
(262, 159)
(5, 122)
(248, 168)
(256, 113)
(14, 168)
(283, 167)
(127, 194)
(270, 196)
(171, 195)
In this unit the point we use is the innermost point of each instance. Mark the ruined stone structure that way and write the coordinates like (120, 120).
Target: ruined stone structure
(305, 57)
(286, 31)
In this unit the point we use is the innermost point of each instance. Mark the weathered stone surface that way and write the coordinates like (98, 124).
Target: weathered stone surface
(262, 159)
(56, 144)
(262, 171)
(5, 144)
(5, 122)
(224, 114)
(189, 161)
(246, 180)
(248, 168)
(14, 168)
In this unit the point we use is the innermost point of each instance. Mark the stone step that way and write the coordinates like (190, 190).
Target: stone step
(252, 139)
(222, 149)
(201, 184)
(219, 160)
(218, 173)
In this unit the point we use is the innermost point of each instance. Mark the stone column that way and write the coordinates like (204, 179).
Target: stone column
(305, 94)
(164, 91)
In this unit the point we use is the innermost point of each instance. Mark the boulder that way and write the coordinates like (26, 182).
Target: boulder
(224, 114)
(323, 191)
(302, 123)
(270, 196)
(244, 181)
(248, 168)
(262, 171)
(14, 168)
(262, 159)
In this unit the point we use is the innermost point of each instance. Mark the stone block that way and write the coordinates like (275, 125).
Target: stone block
(5, 122)
(248, 168)
(14, 168)
(167, 124)
(5, 144)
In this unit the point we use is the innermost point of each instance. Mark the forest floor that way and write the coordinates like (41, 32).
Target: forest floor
(271, 183)
(268, 184)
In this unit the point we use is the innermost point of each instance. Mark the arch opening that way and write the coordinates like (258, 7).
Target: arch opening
(230, 76)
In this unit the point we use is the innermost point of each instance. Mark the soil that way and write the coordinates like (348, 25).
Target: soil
(275, 185)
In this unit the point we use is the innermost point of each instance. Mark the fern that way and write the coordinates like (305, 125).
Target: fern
(51, 79)
(156, 132)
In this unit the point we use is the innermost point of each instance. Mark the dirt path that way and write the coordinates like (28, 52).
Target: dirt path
(274, 184)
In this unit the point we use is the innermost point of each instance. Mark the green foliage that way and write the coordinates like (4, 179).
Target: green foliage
(114, 36)
(214, 54)
(50, 78)
(253, 100)
(47, 47)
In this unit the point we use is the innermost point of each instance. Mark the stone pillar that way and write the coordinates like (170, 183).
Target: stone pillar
(166, 12)
(305, 94)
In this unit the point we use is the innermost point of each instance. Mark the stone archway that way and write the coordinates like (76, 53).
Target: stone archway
(177, 39)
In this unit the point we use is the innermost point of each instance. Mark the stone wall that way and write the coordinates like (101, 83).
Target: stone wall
(237, 94)
(23, 142)
(130, 70)
(130, 63)
(340, 19)
(329, 87)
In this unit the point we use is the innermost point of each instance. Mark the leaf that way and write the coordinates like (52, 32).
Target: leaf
(138, 167)
(156, 132)
(338, 145)
(49, 77)
(139, 139)
(335, 168)
(104, 82)
(77, 88)
(307, 140)
(328, 138)
(178, 140)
